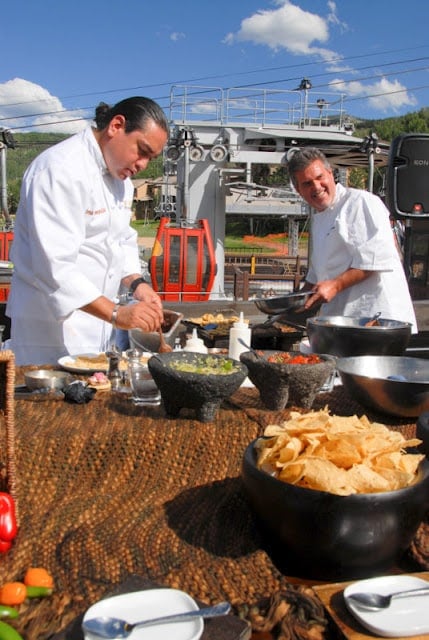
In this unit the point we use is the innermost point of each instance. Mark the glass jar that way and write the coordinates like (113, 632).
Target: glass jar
(143, 388)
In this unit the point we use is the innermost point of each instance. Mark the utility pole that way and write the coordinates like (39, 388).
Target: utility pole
(6, 142)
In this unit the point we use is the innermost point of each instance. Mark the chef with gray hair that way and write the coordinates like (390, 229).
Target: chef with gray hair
(354, 265)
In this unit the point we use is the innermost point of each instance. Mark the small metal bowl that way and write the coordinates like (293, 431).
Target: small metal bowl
(46, 379)
(150, 340)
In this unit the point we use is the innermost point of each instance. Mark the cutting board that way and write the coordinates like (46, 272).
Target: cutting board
(332, 597)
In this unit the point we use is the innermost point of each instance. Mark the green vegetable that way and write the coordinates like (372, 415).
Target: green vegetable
(207, 365)
(8, 633)
(38, 592)
(8, 612)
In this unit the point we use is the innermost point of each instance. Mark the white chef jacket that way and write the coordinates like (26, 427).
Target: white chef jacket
(355, 233)
(72, 243)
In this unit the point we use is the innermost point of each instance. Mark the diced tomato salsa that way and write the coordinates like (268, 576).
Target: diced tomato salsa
(284, 357)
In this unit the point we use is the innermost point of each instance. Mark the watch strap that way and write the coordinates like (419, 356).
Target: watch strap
(135, 283)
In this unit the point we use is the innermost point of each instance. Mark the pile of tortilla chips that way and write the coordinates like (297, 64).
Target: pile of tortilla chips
(341, 455)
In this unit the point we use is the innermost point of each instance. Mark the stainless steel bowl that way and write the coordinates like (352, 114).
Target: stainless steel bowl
(345, 336)
(47, 379)
(394, 385)
(149, 340)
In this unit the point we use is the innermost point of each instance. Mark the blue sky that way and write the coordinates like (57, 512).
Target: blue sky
(60, 59)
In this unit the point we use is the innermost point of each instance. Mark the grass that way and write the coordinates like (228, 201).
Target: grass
(233, 240)
(145, 229)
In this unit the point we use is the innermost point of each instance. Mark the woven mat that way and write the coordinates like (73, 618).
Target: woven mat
(107, 490)
(7, 424)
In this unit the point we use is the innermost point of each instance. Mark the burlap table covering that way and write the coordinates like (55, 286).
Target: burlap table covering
(107, 490)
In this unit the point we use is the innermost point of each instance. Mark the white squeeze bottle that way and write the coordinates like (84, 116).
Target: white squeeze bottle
(195, 344)
(239, 333)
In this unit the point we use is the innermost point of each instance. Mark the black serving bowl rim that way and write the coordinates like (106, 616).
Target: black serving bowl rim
(250, 457)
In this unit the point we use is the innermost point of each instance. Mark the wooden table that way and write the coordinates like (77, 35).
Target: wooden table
(107, 490)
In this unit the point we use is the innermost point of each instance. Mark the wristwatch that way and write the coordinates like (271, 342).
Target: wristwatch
(135, 283)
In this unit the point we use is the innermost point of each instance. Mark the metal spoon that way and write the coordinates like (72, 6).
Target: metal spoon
(244, 344)
(105, 627)
(375, 601)
(249, 348)
(374, 320)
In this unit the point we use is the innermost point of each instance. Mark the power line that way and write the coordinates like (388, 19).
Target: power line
(378, 95)
(240, 73)
(320, 86)
(265, 70)
(226, 75)
(329, 73)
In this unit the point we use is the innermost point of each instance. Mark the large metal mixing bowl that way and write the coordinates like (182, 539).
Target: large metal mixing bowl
(345, 336)
(395, 385)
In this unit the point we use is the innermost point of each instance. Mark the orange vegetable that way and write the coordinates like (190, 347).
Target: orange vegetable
(38, 577)
(13, 593)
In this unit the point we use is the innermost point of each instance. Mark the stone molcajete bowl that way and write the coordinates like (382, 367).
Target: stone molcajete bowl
(283, 384)
(210, 380)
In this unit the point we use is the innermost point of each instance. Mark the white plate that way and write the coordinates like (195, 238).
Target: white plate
(69, 363)
(404, 617)
(140, 605)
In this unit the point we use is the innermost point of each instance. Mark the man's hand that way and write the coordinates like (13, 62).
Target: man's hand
(326, 290)
(322, 292)
(145, 293)
(147, 315)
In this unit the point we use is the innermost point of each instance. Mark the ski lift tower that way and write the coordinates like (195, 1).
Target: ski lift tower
(218, 134)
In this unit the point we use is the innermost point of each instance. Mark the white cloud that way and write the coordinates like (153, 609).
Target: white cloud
(333, 17)
(177, 35)
(302, 33)
(384, 95)
(288, 27)
(27, 106)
